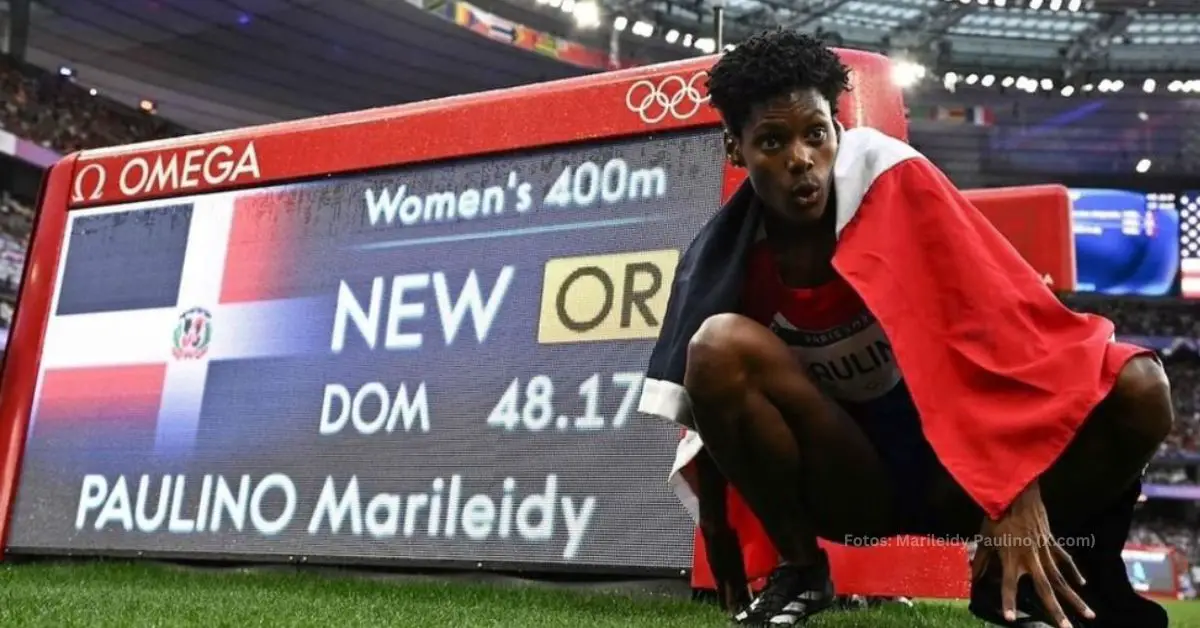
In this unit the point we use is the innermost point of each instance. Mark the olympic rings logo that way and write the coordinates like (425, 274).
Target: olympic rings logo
(673, 97)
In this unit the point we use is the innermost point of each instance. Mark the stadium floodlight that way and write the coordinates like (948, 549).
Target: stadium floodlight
(587, 14)
(907, 73)
(620, 23)
(987, 80)
(643, 29)
(672, 36)
(1143, 166)
(1149, 86)
(706, 45)
(1068, 90)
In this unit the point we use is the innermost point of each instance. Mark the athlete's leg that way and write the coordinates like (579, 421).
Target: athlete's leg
(1113, 446)
(803, 466)
(1091, 490)
(791, 455)
(1104, 459)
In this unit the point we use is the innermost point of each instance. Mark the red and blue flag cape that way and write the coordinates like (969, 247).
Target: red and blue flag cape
(1002, 373)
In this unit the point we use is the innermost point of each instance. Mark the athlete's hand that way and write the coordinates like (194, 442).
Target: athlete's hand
(1025, 546)
(724, 550)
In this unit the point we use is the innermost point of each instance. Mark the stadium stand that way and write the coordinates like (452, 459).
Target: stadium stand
(16, 219)
(1176, 533)
(53, 111)
(1143, 317)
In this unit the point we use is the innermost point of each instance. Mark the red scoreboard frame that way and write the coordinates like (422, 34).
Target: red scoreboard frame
(638, 102)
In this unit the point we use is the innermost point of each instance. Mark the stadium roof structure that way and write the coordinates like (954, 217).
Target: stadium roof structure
(210, 64)
(214, 64)
(1068, 37)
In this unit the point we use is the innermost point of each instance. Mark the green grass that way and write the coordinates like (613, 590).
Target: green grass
(133, 594)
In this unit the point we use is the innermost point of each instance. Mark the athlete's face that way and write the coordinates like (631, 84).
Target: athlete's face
(788, 146)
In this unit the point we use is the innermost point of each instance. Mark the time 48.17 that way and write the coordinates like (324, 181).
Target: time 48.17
(532, 404)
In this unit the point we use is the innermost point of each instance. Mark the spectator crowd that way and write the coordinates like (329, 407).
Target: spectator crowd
(16, 219)
(1172, 524)
(1143, 317)
(54, 111)
(1178, 320)
(1173, 532)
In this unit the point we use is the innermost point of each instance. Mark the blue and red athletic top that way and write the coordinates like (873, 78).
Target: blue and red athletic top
(835, 338)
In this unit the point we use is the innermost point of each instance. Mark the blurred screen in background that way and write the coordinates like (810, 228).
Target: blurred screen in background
(1126, 243)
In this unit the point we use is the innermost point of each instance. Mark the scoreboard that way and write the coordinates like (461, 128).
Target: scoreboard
(413, 335)
(438, 362)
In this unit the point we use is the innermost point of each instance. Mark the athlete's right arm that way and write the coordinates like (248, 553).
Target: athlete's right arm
(721, 542)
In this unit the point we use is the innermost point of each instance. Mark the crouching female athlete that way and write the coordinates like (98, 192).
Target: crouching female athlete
(859, 353)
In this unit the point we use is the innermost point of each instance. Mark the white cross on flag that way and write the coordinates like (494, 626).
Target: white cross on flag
(147, 299)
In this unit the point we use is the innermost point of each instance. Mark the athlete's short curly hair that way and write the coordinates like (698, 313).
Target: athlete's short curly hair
(770, 64)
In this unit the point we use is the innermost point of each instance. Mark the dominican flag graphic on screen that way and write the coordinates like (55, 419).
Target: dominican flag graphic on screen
(148, 299)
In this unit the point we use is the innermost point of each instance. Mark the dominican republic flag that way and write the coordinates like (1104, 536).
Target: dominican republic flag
(1002, 373)
(149, 298)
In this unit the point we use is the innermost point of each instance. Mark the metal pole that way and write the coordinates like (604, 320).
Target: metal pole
(614, 49)
(719, 23)
(17, 37)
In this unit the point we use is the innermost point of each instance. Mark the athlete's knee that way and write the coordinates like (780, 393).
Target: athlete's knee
(1143, 394)
(718, 356)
